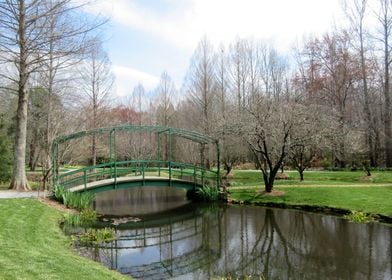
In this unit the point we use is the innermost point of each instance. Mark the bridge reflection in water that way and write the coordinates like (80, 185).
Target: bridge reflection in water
(208, 242)
(171, 244)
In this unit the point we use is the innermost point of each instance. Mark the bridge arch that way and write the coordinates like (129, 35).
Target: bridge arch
(115, 173)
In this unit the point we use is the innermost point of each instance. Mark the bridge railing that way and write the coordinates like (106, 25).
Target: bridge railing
(197, 175)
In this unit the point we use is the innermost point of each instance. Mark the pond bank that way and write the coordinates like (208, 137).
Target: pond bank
(316, 209)
(337, 201)
(31, 236)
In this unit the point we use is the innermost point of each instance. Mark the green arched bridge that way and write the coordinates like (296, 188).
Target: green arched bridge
(157, 170)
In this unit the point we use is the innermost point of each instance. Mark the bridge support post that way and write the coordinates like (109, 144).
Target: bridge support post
(170, 158)
(115, 175)
(158, 153)
(143, 170)
(55, 163)
(85, 179)
(218, 181)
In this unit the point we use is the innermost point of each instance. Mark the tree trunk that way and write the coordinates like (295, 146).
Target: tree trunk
(387, 103)
(32, 156)
(19, 179)
(368, 113)
(268, 186)
(301, 174)
(269, 179)
(94, 150)
(228, 168)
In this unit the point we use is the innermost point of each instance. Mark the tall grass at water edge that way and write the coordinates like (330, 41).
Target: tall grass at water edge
(208, 193)
(79, 201)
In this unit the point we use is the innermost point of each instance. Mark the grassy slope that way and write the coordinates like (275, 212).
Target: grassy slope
(343, 189)
(33, 246)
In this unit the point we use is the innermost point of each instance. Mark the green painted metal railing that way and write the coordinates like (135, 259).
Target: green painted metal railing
(144, 169)
(199, 175)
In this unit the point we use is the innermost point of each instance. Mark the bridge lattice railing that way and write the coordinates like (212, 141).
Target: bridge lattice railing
(197, 175)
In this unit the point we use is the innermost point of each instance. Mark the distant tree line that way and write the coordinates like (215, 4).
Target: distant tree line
(327, 104)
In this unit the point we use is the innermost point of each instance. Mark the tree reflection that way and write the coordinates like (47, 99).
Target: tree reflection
(237, 241)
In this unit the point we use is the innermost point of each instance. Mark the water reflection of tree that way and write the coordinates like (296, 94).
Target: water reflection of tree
(277, 244)
(293, 245)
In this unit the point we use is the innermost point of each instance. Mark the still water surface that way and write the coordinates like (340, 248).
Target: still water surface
(198, 241)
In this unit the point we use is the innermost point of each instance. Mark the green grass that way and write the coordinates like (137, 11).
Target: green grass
(34, 247)
(338, 189)
(249, 178)
(376, 200)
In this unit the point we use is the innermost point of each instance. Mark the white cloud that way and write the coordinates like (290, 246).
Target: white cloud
(224, 20)
(128, 78)
(182, 23)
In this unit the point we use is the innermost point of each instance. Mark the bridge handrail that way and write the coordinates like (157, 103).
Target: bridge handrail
(116, 169)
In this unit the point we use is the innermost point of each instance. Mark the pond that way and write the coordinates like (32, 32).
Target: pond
(200, 241)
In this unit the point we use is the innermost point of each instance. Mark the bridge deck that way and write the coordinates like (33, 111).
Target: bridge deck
(119, 180)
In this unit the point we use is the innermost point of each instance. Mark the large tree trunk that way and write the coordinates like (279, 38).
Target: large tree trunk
(19, 179)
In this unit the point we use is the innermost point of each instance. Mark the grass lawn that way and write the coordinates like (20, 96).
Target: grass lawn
(337, 189)
(34, 247)
(249, 178)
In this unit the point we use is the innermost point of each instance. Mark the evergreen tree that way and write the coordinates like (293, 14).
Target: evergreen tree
(5, 154)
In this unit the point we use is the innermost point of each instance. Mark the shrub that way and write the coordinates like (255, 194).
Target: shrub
(96, 236)
(85, 218)
(208, 193)
(58, 193)
(6, 158)
(70, 220)
(35, 185)
(359, 217)
(79, 201)
(88, 217)
(86, 200)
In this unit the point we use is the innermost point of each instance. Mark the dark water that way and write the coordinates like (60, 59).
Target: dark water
(139, 201)
(198, 241)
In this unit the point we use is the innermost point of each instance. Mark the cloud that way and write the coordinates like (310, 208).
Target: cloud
(180, 25)
(183, 23)
(128, 78)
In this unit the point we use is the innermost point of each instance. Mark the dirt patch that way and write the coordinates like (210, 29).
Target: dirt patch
(56, 205)
(282, 176)
(367, 178)
(272, 193)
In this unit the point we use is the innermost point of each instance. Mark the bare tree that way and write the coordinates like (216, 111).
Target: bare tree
(238, 73)
(226, 126)
(200, 84)
(96, 85)
(356, 12)
(24, 45)
(165, 111)
(329, 76)
(138, 95)
(268, 135)
(307, 138)
(270, 119)
(385, 21)
(166, 92)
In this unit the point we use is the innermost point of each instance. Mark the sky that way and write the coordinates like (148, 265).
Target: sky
(146, 37)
